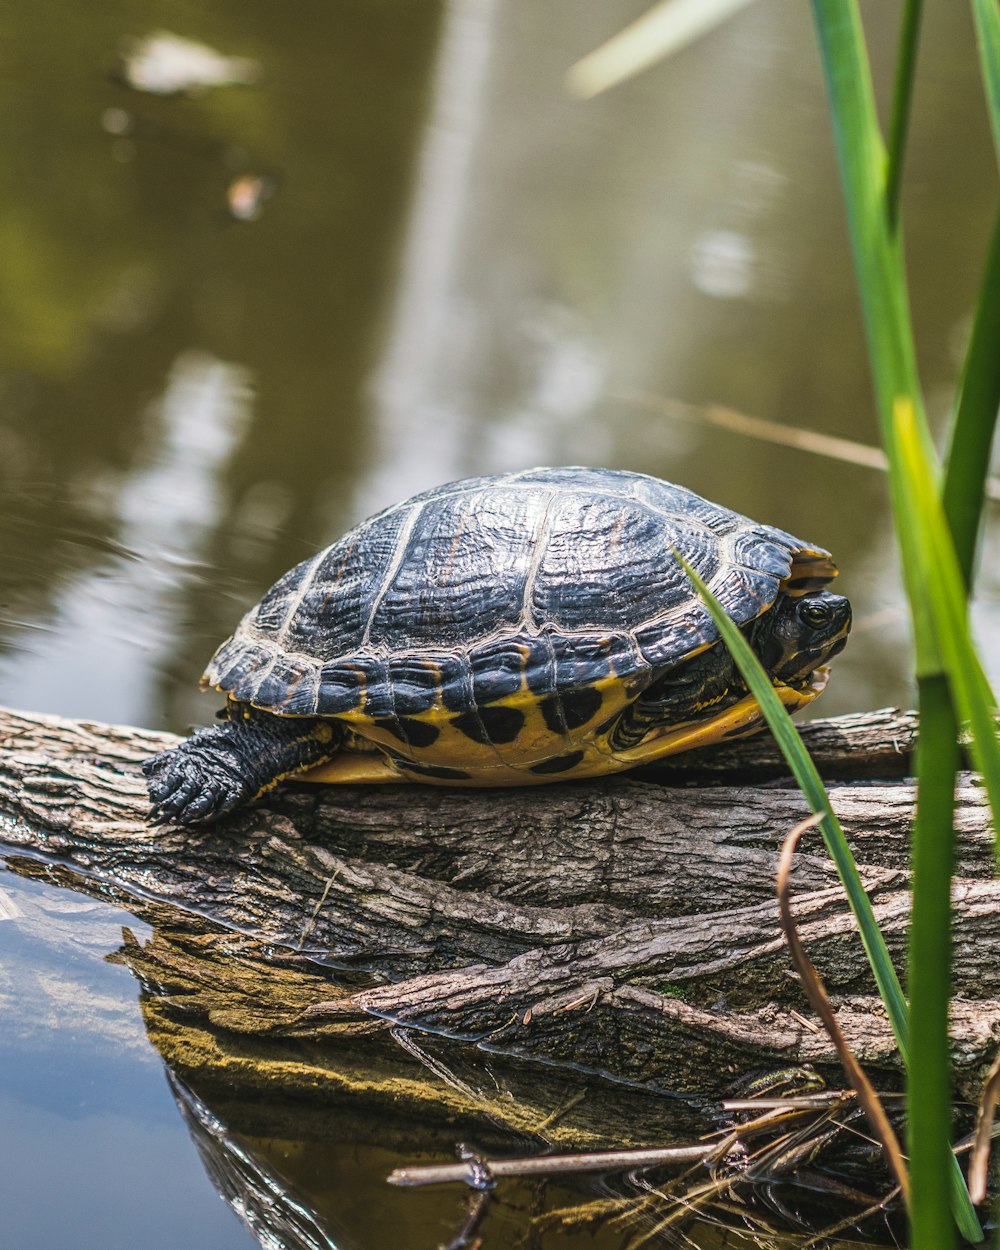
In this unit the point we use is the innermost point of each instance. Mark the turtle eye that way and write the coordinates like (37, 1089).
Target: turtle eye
(815, 614)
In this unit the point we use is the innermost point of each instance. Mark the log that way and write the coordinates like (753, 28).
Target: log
(625, 927)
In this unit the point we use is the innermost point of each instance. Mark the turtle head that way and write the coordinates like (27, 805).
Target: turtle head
(799, 634)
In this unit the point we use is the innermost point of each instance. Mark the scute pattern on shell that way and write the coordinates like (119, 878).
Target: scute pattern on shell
(553, 577)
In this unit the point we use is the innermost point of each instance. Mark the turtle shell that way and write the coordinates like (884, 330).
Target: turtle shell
(543, 584)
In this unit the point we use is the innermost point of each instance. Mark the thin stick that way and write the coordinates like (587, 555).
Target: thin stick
(549, 1165)
(478, 1202)
(984, 1134)
(405, 1040)
(851, 1221)
(658, 33)
(307, 928)
(813, 986)
(806, 1102)
(847, 450)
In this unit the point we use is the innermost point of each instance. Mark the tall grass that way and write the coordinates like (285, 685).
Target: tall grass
(937, 519)
(937, 511)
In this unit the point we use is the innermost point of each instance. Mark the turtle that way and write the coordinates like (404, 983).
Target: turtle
(518, 629)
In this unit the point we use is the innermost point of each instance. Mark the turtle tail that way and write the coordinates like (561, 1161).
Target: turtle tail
(220, 769)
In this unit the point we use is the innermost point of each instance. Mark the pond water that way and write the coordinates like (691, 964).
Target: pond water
(451, 267)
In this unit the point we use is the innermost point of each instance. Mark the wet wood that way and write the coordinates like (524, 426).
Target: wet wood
(627, 926)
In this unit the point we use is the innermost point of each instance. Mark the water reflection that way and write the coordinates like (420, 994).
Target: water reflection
(298, 1121)
(91, 1152)
(117, 621)
(150, 271)
(298, 1125)
(419, 420)
(260, 1198)
(464, 271)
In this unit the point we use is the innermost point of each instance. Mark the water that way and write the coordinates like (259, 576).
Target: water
(459, 270)
(90, 1154)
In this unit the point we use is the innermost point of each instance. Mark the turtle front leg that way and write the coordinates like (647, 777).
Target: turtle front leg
(220, 769)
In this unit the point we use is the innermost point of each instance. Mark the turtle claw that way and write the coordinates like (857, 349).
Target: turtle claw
(214, 800)
(180, 791)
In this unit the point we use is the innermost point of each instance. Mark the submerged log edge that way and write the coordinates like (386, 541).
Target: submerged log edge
(625, 926)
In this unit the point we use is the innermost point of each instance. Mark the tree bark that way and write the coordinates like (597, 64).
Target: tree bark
(626, 926)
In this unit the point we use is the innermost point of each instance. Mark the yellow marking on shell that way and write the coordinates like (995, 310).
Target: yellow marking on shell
(246, 710)
(365, 757)
(357, 715)
(597, 760)
(354, 768)
(533, 743)
(508, 762)
(537, 742)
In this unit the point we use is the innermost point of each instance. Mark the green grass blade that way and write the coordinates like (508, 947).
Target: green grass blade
(927, 548)
(940, 575)
(906, 64)
(876, 243)
(978, 400)
(929, 1126)
(879, 265)
(863, 167)
(987, 19)
(974, 420)
(810, 783)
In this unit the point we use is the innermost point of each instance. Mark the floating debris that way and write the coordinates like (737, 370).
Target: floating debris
(247, 194)
(166, 64)
(117, 122)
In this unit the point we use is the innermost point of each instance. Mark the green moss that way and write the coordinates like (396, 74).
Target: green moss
(670, 989)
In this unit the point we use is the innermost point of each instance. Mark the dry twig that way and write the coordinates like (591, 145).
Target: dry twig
(980, 1157)
(550, 1165)
(868, 1099)
(846, 450)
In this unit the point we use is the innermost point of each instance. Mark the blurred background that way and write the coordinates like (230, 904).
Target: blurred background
(245, 303)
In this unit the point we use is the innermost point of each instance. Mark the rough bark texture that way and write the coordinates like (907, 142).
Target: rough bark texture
(627, 926)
